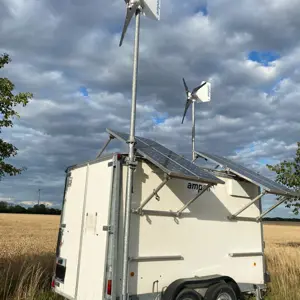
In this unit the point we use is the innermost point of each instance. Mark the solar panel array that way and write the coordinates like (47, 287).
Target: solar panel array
(270, 185)
(167, 160)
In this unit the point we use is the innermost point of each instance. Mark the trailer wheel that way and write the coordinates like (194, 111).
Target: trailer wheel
(188, 294)
(220, 291)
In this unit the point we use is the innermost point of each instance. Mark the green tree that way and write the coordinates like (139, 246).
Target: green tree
(288, 174)
(8, 102)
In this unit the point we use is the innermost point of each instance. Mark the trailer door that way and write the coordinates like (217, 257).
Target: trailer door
(87, 249)
(67, 254)
(93, 255)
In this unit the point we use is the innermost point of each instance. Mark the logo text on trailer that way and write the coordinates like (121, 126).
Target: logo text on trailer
(195, 186)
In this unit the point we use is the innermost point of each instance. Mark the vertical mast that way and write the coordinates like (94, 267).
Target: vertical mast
(193, 130)
(131, 161)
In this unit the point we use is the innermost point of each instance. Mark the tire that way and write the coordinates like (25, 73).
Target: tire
(220, 291)
(188, 294)
(236, 289)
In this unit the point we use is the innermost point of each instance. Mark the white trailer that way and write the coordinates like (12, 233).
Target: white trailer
(191, 236)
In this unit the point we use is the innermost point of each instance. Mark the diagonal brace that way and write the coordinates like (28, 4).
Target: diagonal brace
(155, 191)
(179, 212)
(246, 206)
(270, 209)
(104, 147)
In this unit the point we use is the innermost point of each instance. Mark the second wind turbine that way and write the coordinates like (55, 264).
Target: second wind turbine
(201, 93)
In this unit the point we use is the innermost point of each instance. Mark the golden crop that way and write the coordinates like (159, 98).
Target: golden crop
(27, 234)
(28, 242)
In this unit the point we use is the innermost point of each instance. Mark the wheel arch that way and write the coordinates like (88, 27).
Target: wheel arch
(195, 283)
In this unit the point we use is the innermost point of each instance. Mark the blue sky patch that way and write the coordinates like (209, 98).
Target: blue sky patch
(265, 161)
(84, 92)
(160, 119)
(250, 147)
(203, 9)
(263, 57)
(271, 88)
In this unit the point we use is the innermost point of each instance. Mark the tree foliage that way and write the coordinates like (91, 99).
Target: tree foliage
(8, 102)
(288, 174)
(5, 207)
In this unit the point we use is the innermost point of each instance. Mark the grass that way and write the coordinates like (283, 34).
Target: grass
(28, 277)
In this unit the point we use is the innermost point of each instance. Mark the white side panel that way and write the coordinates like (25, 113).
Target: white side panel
(93, 256)
(151, 8)
(72, 214)
(204, 94)
(239, 189)
(203, 236)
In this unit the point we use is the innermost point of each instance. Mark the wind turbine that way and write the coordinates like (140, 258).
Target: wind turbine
(151, 9)
(201, 93)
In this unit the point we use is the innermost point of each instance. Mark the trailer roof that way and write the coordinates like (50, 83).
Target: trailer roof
(269, 185)
(167, 160)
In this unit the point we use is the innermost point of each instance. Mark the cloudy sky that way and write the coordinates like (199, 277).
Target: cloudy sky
(66, 53)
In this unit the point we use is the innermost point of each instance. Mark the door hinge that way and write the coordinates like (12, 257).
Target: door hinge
(108, 228)
(69, 181)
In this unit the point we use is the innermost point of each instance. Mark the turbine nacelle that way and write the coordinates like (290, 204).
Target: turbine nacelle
(149, 8)
(201, 93)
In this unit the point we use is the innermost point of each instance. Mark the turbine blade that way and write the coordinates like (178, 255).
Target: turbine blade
(185, 86)
(187, 104)
(199, 87)
(129, 14)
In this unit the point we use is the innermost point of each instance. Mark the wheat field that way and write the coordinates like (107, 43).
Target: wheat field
(28, 244)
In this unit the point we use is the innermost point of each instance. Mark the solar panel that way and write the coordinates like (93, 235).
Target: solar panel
(270, 185)
(167, 160)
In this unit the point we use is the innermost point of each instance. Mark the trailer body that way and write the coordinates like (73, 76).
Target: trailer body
(163, 246)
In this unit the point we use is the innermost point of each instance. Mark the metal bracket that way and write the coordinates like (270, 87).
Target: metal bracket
(130, 163)
(107, 228)
(258, 295)
(157, 197)
(246, 206)
(139, 210)
(179, 212)
(105, 145)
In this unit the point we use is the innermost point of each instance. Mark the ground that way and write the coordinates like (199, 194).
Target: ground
(28, 244)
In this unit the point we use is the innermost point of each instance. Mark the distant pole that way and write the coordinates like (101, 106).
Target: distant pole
(39, 190)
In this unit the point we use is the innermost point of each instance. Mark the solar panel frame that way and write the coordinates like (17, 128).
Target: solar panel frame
(174, 166)
(269, 185)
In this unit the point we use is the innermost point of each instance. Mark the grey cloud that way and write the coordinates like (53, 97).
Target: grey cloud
(77, 45)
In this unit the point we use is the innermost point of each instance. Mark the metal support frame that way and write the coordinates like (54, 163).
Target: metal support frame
(179, 212)
(131, 161)
(139, 210)
(270, 209)
(246, 206)
(235, 216)
(105, 145)
(258, 295)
